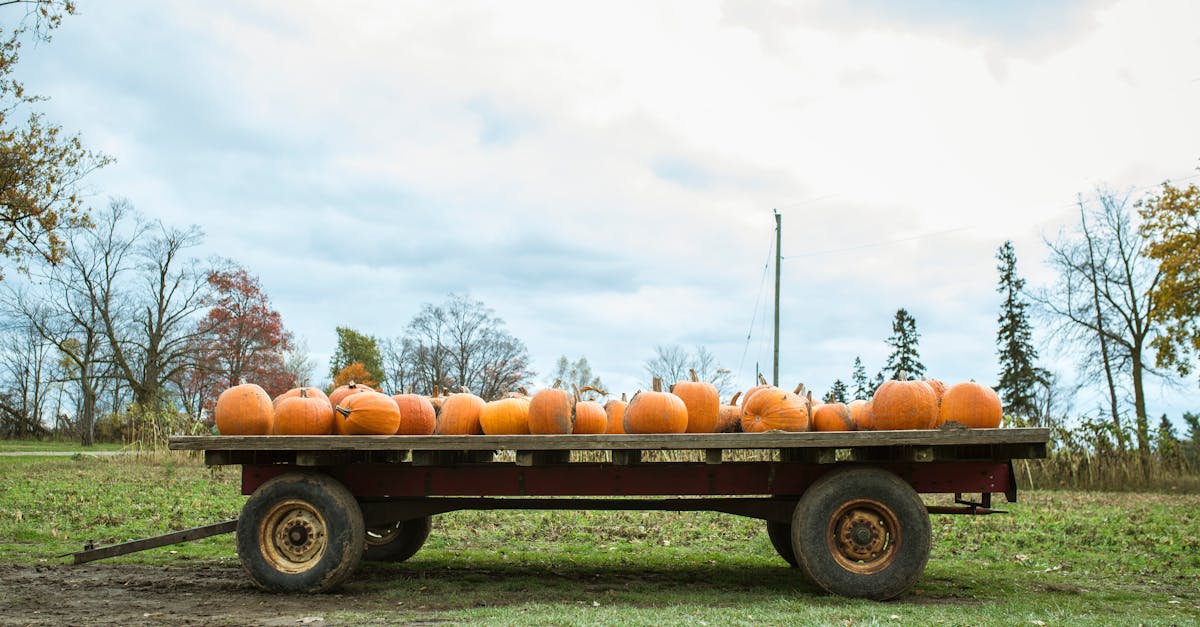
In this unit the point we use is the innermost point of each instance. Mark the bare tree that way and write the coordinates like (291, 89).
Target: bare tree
(672, 362)
(1101, 304)
(298, 362)
(26, 363)
(461, 342)
(150, 321)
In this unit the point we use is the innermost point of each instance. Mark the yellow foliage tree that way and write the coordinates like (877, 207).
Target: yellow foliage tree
(355, 372)
(1171, 223)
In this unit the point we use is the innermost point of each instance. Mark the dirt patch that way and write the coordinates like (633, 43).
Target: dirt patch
(105, 594)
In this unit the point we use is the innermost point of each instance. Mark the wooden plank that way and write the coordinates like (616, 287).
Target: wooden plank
(542, 458)
(688, 441)
(91, 554)
(712, 456)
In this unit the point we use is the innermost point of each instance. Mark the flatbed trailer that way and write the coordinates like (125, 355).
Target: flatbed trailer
(842, 507)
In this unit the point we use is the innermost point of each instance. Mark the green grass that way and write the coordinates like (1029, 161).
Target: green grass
(1059, 557)
(55, 446)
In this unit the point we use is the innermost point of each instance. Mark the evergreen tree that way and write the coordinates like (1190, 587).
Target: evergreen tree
(352, 347)
(837, 392)
(905, 357)
(862, 385)
(1019, 377)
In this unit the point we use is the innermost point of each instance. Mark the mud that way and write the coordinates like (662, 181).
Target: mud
(105, 594)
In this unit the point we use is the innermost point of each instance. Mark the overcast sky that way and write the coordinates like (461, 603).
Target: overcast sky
(603, 174)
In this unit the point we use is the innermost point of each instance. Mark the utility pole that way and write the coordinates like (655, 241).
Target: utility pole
(778, 258)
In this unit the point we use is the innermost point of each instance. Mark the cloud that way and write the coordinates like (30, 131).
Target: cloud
(603, 174)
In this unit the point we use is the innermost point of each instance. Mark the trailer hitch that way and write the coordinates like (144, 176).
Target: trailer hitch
(967, 507)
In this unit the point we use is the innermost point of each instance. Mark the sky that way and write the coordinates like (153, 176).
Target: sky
(603, 174)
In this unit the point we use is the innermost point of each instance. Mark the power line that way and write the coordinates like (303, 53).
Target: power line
(757, 300)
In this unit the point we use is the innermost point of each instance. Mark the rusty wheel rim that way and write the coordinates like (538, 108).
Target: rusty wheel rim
(864, 536)
(293, 536)
(383, 535)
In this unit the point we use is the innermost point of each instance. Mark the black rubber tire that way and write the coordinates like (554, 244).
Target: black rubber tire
(838, 498)
(781, 538)
(398, 541)
(325, 521)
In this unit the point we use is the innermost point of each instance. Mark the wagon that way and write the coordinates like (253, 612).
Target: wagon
(844, 508)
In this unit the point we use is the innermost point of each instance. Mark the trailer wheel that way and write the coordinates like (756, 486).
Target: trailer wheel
(398, 541)
(862, 532)
(300, 533)
(781, 538)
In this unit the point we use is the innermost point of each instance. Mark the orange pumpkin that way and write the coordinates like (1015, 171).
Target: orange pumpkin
(589, 415)
(656, 412)
(310, 392)
(614, 410)
(339, 395)
(866, 420)
(303, 414)
(939, 388)
(833, 417)
(774, 409)
(552, 411)
(762, 384)
(368, 413)
(904, 405)
(971, 404)
(729, 418)
(437, 400)
(417, 416)
(507, 416)
(244, 410)
(702, 402)
(857, 409)
(460, 415)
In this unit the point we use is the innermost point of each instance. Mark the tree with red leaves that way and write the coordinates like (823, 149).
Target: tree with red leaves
(244, 339)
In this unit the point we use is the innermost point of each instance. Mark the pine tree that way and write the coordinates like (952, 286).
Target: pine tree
(904, 358)
(837, 392)
(862, 385)
(1019, 376)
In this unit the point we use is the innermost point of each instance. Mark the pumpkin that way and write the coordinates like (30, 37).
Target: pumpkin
(507, 416)
(939, 388)
(417, 416)
(729, 417)
(904, 405)
(857, 409)
(832, 417)
(460, 415)
(866, 420)
(702, 402)
(368, 413)
(303, 414)
(971, 404)
(774, 409)
(590, 417)
(310, 392)
(339, 395)
(614, 410)
(244, 410)
(436, 399)
(762, 384)
(552, 411)
(656, 412)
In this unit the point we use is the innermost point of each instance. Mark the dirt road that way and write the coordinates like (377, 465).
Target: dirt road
(125, 594)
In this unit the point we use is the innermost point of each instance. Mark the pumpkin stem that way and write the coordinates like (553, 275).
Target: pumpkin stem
(557, 384)
(303, 392)
(575, 389)
(352, 384)
(463, 389)
(761, 379)
(692, 373)
(799, 391)
(437, 391)
(657, 384)
(733, 401)
(591, 388)
(343, 411)
(523, 391)
(902, 376)
(623, 398)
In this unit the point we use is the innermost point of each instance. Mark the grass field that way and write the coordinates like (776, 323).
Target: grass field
(55, 446)
(1058, 558)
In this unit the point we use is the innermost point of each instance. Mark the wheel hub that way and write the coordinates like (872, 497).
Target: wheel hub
(295, 536)
(863, 536)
